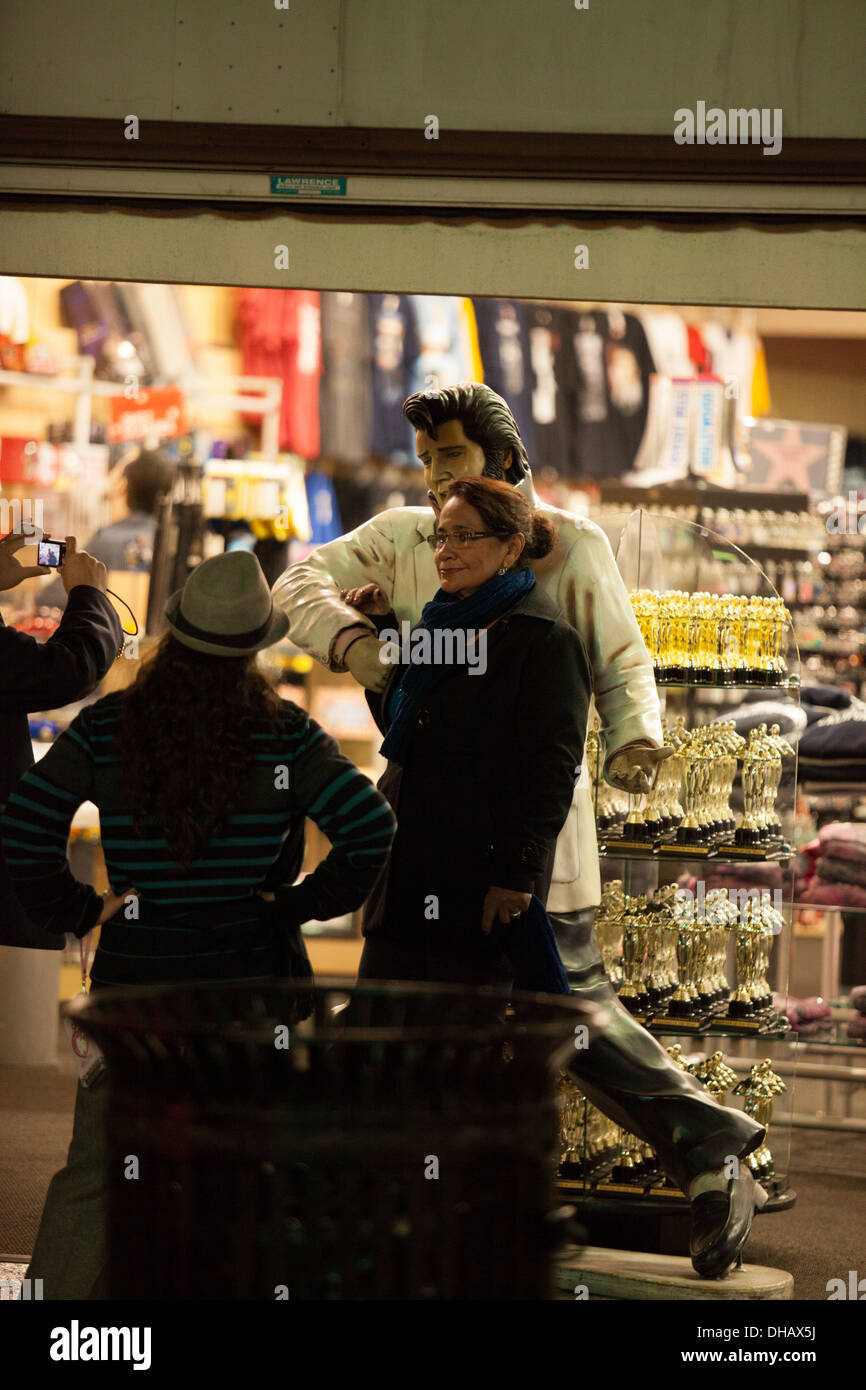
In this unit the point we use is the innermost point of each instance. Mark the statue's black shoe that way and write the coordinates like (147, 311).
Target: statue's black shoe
(721, 1222)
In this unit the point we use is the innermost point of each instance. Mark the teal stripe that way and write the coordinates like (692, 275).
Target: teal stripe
(371, 815)
(245, 818)
(59, 843)
(237, 882)
(17, 799)
(74, 734)
(311, 739)
(28, 825)
(34, 780)
(347, 805)
(212, 844)
(329, 791)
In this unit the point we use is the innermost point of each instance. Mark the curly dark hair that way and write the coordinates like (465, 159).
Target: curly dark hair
(185, 741)
(486, 420)
(505, 511)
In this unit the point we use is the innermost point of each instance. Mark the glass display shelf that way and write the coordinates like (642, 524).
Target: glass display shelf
(608, 849)
(792, 683)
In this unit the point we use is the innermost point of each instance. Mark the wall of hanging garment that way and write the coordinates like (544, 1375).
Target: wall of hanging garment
(280, 335)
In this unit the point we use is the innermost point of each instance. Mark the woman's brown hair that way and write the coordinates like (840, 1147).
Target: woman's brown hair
(505, 510)
(185, 741)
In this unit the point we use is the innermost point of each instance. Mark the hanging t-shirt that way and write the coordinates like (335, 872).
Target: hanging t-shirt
(552, 384)
(471, 348)
(612, 366)
(503, 338)
(443, 350)
(734, 352)
(299, 418)
(668, 339)
(325, 522)
(280, 333)
(394, 348)
(345, 406)
(698, 351)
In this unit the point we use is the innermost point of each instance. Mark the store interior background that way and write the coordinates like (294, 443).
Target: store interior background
(815, 364)
(815, 370)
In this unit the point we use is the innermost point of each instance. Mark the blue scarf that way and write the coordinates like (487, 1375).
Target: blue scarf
(529, 942)
(447, 612)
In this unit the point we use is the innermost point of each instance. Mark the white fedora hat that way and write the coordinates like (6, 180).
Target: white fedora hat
(225, 608)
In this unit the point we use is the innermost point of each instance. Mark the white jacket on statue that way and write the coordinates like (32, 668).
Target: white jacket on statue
(580, 575)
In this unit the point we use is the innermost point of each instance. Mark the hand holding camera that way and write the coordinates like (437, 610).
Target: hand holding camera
(77, 567)
(11, 570)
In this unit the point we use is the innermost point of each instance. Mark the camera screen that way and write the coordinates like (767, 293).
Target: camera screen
(49, 553)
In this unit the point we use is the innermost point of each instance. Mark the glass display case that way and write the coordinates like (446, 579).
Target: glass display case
(695, 919)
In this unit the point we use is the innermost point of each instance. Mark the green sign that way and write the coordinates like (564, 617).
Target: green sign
(309, 185)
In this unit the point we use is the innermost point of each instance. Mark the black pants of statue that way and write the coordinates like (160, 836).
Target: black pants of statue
(625, 1072)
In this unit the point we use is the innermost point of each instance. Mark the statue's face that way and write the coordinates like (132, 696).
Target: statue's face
(450, 456)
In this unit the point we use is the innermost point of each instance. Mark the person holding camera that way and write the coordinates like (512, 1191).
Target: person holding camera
(47, 675)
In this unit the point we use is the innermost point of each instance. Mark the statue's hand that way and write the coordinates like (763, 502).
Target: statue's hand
(634, 769)
(363, 660)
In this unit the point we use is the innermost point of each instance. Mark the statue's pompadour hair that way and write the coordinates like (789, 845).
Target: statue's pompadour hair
(486, 420)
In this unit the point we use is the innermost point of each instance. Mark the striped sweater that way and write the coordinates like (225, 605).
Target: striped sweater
(297, 771)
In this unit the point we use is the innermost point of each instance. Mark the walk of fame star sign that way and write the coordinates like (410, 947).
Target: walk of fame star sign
(793, 454)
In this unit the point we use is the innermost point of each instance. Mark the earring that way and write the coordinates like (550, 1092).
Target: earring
(502, 571)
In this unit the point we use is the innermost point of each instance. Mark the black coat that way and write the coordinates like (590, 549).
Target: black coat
(489, 775)
(36, 676)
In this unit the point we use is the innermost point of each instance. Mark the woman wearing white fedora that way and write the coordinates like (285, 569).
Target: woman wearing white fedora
(203, 778)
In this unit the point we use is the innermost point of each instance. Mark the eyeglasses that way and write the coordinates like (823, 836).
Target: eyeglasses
(460, 538)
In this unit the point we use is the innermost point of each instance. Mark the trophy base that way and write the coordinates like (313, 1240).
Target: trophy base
(634, 849)
(731, 850)
(670, 1023)
(758, 1023)
(677, 851)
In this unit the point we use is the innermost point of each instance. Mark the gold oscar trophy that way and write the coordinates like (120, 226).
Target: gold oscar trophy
(572, 1126)
(716, 1075)
(759, 1090)
(609, 928)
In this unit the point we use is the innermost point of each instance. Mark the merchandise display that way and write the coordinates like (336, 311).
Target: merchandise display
(609, 1161)
(714, 639)
(690, 955)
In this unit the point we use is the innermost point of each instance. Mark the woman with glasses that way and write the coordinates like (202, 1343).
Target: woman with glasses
(484, 737)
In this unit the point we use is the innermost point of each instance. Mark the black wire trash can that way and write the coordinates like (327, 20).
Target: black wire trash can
(400, 1143)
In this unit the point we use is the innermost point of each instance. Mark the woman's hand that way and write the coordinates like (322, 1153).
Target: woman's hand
(112, 903)
(503, 903)
(268, 896)
(369, 599)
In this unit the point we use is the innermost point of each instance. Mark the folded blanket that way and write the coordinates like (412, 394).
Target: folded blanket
(840, 737)
(834, 870)
(804, 1015)
(857, 1026)
(826, 695)
(848, 832)
(823, 894)
(858, 998)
